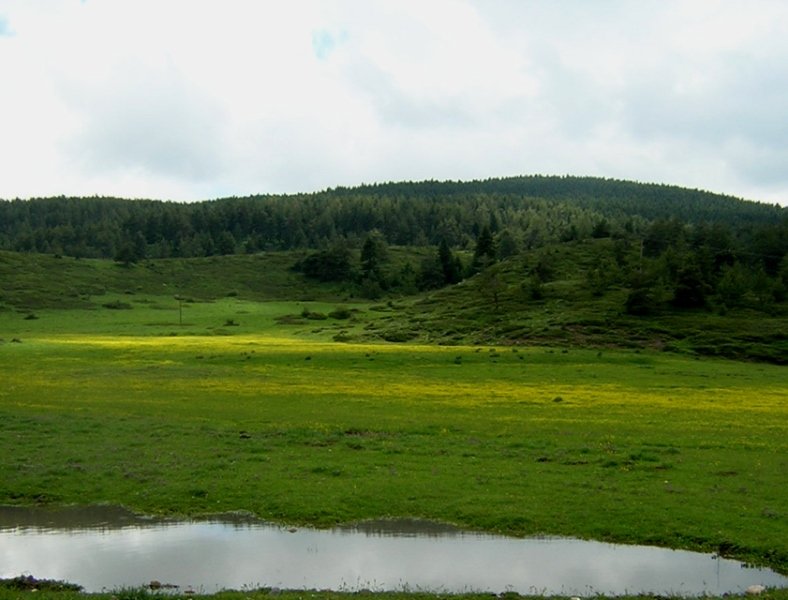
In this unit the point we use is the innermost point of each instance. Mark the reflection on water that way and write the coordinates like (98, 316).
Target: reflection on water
(105, 548)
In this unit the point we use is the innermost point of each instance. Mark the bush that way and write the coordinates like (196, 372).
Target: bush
(31, 584)
(117, 305)
(399, 336)
(341, 313)
(313, 316)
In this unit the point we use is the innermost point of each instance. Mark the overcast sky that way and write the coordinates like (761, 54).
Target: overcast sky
(199, 99)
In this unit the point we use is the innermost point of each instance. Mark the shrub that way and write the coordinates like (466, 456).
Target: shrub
(341, 312)
(314, 316)
(399, 336)
(117, 305)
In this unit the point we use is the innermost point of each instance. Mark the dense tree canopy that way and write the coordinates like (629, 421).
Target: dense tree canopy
(524, 212)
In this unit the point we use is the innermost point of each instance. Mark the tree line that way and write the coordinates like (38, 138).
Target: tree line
(526, 212)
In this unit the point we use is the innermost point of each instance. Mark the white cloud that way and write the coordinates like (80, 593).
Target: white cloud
(198, 99)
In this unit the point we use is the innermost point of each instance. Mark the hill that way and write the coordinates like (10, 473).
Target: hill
(567, 295)
(521, 260)
(531, 210)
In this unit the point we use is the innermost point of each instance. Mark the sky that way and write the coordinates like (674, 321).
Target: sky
(191, 100)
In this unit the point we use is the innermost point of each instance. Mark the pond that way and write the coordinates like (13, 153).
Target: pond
(104, 548)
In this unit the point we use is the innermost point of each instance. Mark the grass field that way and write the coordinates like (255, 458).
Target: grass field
(232, 405)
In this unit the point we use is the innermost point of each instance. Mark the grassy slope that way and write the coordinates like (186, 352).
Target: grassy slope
(568, 314)
(31, 282)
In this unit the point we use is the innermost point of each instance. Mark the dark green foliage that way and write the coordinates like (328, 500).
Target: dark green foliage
(341, 312)
(543, 267)
(431, 274)
(519, 213)
(601, 229)
(602, 274)
(533, 288)
(28, 583)
(733, 286)
(450, 264)
(507, 245)
(117, 305)
(646, 295)
(374, 257)
(313, 315)
(399, 336)
(691, 290)
(126, 255)
(407, 280)
(663, 235)
(643, 300)
(332, 264)
(374, 254)
(485, 252)
(491, 286)
(371, 288)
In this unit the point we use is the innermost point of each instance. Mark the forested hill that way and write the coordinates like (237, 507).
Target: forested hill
(611, 197)
(528, 211)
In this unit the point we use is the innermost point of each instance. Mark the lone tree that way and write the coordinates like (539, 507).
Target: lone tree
(450, 264)
(485, 253)
(374, 253)
(131, 250)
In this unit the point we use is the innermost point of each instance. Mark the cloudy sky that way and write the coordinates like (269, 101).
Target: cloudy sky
(199, 99)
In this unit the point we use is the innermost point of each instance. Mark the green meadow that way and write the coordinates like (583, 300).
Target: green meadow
(182, 407)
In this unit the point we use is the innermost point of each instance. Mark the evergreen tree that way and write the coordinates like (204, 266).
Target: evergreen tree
(431, 274)
(690, 290)
(507, 245)
(485, 252)
(450, 264)
(485, 246)
(374, 253)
